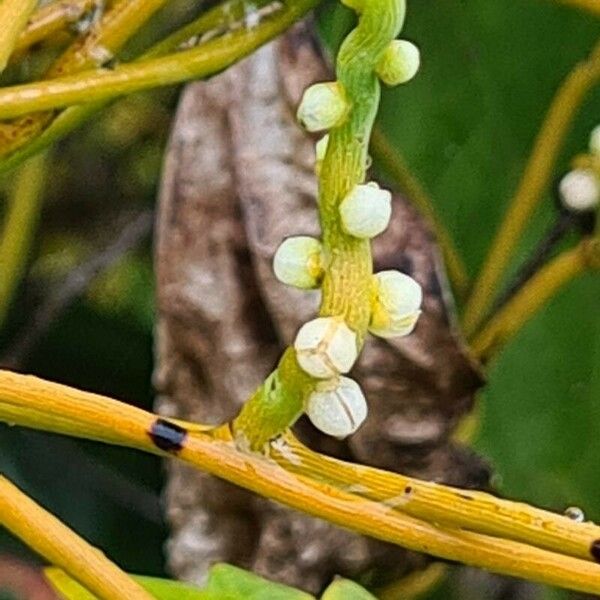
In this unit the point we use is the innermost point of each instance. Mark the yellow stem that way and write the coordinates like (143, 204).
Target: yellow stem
(536, 177)
(534, 294)
(51, 19)
(393, 162)
(416, 584)
(32, 402)
(23, 208)
(117, 26)
(62, 547)
(13, 19)
(465, 509)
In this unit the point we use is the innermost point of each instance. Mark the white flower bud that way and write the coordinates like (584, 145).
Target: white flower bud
(397, 304)
(399, 63)
(337, 407)
(366, 210)
(299, 262)
(326, 347)
(579, 190)
(595, 141)
(323, 106)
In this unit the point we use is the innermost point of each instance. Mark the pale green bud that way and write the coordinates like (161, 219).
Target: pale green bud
(326, 347)
(366, 210)
(399, 63)
(299, 262)
(337, 407)
(595, 141)
(323, 106)
(397, 304)
(579, 190)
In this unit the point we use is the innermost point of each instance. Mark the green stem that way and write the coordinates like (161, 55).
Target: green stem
(218, 19)
(19, 226)
(13, 19)
(346, 286)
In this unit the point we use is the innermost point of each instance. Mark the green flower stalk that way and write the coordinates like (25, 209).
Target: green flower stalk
(310, 373)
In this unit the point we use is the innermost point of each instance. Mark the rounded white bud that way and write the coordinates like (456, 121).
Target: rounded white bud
(323, 106)
(595, 141)
(326, 347)
(397, 304)
(299, 262)
(337, 407)
(399, 63)
(579, 190)
(366, 210)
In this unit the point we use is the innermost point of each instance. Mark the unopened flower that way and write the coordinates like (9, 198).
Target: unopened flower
(397, 304)
(325, 347)
(299, 262)
(337, 407)
(595, 141)
(579, 190)
(399, 63)
(366, 210)
(323, 106)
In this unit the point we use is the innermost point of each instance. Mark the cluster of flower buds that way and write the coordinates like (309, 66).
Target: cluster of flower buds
(579, 189)
(326, 348)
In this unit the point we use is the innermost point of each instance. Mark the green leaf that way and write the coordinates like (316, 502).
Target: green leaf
(226, 582)
(344, 589)
(163, 589)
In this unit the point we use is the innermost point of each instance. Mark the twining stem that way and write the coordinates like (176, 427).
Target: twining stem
(536, 177)
(534, 294)
(346, 285)
(32, 402)
(98, 47)
(592, 6)
(13, 18)
(62, 547)
(393, 162)
(217, 20)
(51, 19)
(20, 221)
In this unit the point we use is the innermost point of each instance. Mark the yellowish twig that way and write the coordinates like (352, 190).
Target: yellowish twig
(51, 19)
(394, 164)
(534, 294)
(13, 18)
(23, 208)
(62, 547)
(536, 176)
(36, 403)
(592, 6)
(98, 47)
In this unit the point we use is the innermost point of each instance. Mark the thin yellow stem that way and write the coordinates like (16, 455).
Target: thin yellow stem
(416, 584)
(23, 208)
(13, 18)
(592, 6)
(62, 547)
(534, 294)
(98, 47)
(536, 177)
(32, 402)
(393, 162)
(207, 59)
(52, 19)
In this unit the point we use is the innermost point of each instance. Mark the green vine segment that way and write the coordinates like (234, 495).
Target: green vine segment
(351, 211)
